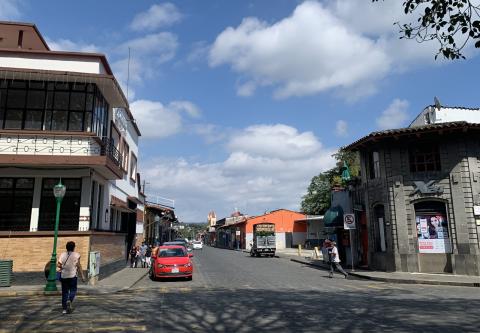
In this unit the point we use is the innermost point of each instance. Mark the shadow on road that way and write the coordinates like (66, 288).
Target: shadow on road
(246, 310)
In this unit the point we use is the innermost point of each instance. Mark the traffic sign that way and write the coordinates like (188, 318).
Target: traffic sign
(349, 221)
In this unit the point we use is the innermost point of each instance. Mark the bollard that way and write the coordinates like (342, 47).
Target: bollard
(299, 250)
(317, 253)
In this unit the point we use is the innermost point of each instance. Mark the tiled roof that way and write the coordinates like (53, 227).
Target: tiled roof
(456, 125)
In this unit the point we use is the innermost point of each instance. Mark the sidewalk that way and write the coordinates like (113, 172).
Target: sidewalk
(119, 281)
(391, 277)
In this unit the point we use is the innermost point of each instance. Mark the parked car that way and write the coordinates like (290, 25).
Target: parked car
(185, 245)
(197, 245)
(188, 245)
(172, 261)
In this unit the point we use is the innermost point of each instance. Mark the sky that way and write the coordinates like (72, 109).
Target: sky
(241, 102)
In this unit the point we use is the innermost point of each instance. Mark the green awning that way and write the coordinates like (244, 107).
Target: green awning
(333, 217)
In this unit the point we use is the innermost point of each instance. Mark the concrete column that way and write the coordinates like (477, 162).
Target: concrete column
(37, 195)
(84, 219)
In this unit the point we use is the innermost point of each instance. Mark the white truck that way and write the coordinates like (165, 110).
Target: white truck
(264, 241)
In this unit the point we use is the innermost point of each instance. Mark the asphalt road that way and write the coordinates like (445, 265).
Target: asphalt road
(232, 292)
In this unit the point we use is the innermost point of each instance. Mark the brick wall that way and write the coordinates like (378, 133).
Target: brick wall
(110, 245)
(30, 253)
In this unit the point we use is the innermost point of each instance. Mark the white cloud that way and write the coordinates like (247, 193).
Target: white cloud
(395, 115)
(159, 121)
(157, 16)
(341, 128)
(146, 54)
(321, 46)
(10, 10)
(307, 53)
(267, 167)
(69, 45)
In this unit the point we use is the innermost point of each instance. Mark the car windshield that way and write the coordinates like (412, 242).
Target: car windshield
(177, 252)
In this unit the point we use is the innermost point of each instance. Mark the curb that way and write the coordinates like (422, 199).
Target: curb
(395, 280)
(80, 292)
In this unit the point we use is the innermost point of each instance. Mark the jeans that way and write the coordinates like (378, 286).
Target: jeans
(338, 267)
(69, 290)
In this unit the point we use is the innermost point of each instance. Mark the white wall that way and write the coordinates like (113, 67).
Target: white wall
(448, 115)
(53, 62)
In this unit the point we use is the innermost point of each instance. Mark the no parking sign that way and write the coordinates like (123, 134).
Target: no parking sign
(348, 221)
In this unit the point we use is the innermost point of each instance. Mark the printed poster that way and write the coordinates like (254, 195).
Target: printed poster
(432, 233)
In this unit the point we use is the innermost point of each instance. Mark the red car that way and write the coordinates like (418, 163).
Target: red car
(172, 261)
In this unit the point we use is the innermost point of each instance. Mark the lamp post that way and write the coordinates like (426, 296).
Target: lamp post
(59, 192)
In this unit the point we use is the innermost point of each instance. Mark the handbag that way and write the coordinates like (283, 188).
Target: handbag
(59, 273)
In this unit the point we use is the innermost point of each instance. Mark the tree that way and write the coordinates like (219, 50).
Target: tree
(317, 199)
(452, 23)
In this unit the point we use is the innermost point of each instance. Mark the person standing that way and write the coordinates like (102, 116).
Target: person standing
(143, 252)
(70, 267)
(133, 257)
(148, 256)
(335, 260)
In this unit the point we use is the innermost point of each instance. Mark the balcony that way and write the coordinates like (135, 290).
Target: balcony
(31, 148)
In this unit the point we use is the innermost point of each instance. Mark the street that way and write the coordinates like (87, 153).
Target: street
(233, 292)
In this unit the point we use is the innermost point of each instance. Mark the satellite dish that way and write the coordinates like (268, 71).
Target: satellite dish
(437, 103)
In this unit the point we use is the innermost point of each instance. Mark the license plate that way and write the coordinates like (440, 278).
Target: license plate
(174, 270)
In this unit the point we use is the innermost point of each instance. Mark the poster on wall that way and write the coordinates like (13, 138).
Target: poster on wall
(432, 232)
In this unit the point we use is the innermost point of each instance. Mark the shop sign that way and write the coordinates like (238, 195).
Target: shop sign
(432, 232)
(348, 221)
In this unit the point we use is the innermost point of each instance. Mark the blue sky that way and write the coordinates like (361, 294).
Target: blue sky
(241, 102)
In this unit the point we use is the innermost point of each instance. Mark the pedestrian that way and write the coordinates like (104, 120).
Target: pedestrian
(148, 256)
(70, 267)
(133, 257)
(335, 260)
(143, 251)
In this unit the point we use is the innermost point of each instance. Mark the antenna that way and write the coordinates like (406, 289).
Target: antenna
(437, 103)
(128, 70)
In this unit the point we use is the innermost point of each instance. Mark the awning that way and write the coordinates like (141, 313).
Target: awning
(333, 217)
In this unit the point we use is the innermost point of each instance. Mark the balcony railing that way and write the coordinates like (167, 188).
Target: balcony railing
(109, 150)
(59, 145)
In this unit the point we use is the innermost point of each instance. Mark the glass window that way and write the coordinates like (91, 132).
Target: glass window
(374, 164)
(59, 120)
(77, 101)
(37, 85)
(13, 119)
(70, 212)
(61, 86)
(424, 158)
(75, 122)
(61, 100)
(16, 98)
(36, 99)
(88, 121)
(79, 86)
(16, 196)
(89, 102)
(33, 120)
(48, 121)
(133, 167)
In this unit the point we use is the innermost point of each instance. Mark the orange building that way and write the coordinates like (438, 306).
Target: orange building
(289, 232)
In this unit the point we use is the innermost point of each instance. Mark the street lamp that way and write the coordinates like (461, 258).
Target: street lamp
(59, 192)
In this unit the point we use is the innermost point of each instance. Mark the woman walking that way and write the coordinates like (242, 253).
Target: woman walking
(69, 265)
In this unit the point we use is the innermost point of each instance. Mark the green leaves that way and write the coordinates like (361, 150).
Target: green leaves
(453, 24)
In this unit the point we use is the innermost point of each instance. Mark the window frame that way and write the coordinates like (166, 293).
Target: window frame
(133, 171)
(424, 158)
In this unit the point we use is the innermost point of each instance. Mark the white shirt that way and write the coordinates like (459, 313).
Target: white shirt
(335, 256)
(69, 266)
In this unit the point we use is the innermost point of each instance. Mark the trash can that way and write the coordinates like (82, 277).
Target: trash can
(6, 267)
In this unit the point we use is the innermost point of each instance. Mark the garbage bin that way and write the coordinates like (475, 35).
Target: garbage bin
(6, 267)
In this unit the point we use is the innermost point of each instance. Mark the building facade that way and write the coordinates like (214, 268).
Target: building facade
(421, 198)
(64, 117)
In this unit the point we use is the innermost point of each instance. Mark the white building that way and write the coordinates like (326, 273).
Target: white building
(436, 114)
(64, 115)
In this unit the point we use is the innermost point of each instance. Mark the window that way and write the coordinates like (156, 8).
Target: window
(374, 164)
(424, 158)
(61, 106)
(379, 229)
(16, 195)
(70, 209)
(125, 154)
(133, 167)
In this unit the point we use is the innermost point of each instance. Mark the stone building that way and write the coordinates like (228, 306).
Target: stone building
(421, 197)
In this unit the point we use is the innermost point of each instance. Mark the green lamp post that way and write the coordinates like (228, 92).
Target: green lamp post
(59, 192)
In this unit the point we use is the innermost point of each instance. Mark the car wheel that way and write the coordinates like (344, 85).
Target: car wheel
(152, 275)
